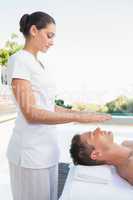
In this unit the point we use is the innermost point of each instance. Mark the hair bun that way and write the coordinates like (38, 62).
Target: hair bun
(23, 23)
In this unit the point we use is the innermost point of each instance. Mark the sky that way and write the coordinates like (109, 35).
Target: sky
(93, 51)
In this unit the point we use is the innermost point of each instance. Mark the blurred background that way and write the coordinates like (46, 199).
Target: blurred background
(91, 60)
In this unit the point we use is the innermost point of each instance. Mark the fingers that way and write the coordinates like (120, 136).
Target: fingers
(106, 117)
(102, 118)
(85, 118)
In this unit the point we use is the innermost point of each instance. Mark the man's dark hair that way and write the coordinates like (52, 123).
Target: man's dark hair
(80, 152)
(39, 19)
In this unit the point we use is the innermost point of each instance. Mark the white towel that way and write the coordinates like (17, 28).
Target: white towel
(93, 174)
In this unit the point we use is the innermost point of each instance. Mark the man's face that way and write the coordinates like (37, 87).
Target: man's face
(98, 138)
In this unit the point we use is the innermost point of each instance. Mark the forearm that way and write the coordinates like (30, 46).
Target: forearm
(33, 114)
(62, 109)
(42, 116)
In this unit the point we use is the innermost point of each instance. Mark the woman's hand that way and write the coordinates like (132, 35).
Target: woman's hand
(91, 117)
(85, 116)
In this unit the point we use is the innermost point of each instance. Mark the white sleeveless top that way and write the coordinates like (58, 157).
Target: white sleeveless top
(32, 145)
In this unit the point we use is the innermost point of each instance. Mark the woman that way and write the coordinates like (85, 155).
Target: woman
(33, 151)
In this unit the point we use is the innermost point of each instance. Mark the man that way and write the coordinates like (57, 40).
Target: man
(98, 147)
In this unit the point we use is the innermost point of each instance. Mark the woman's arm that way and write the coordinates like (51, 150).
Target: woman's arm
(25, 98)
(62, 109)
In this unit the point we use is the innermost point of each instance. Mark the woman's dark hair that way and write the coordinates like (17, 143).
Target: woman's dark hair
(39, 19)
(81, 153)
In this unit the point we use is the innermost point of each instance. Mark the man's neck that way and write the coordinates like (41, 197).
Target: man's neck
(117, 154)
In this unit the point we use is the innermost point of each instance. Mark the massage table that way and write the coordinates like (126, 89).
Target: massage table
(112, 188)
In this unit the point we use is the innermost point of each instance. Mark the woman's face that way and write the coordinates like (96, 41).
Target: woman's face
(44, 38)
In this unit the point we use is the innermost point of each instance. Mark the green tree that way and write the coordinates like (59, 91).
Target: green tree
(11, 47)
(4, 55)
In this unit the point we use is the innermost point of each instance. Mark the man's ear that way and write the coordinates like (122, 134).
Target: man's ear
(95, 155)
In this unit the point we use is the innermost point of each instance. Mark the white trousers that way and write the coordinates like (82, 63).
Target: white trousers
(34, 184)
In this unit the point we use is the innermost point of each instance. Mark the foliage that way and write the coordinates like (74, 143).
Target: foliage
(60, 102)
(4, 55)
(130, 106)
(85, 107)
(11, 47)
(103, 109)
(119, 106)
